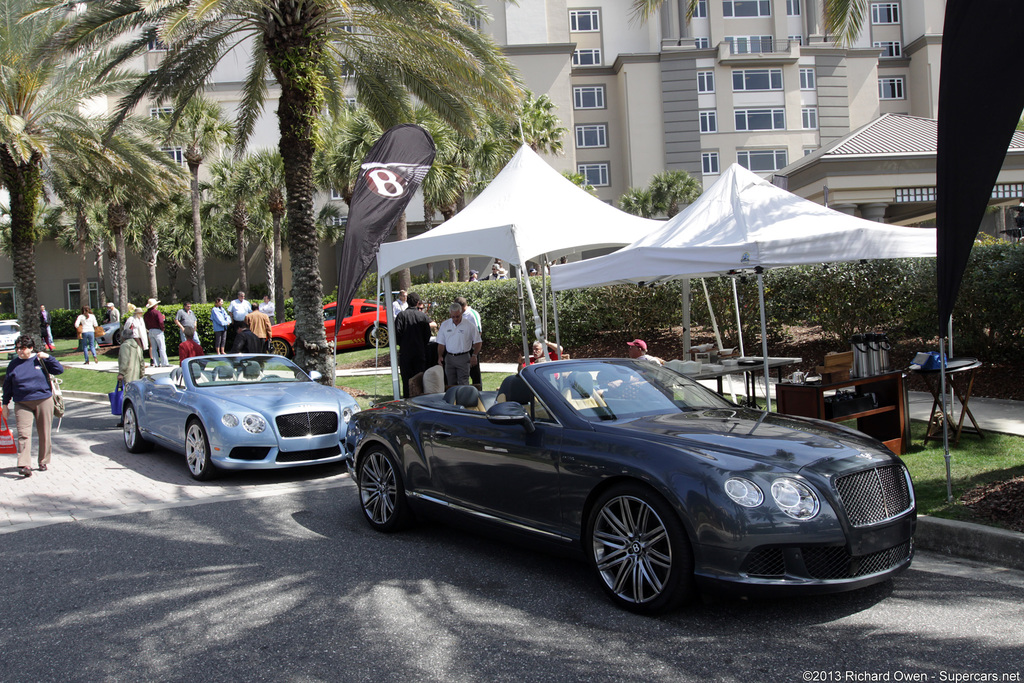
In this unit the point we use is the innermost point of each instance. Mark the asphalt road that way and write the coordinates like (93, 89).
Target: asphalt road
(296, 587)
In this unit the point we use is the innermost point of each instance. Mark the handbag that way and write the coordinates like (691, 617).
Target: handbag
(78, 329)
(116, 398)
(7, 445)
(58, 397)
(99, 331)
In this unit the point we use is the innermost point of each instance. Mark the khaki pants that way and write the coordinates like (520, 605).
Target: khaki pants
(24, 413)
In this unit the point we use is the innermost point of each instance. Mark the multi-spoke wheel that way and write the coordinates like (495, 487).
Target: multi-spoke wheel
(280, 347)
(639, 549)
(377, 336)
(197, 451)
(381, 491)
(133, 440)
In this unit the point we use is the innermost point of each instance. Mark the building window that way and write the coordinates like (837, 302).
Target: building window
(885, 13)
(793, 8)
(756, 79)
(350, 102)
(809, 116)
(709, 163)
(596, 174)
(890, 89)
(709, 121)
(808, 150)
(160, 112)
(799, 40)
(763, 160)
(747, 8)
(702, 43)
(588, 97)
(741, 45)
(705, 81)
(75, 299)
(592, 135)
(177, 153)
(807, 79)
(584, 20)
(889, 48)
(338, 220)
(760, 119)
(590, 57)
(157, 45)
(700, 10)
(335, 195)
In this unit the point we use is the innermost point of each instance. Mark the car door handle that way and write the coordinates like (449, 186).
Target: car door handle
(441, 434)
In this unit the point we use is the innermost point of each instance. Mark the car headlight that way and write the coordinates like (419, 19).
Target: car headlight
(229, 420)
(744, 492)
(347, 413)
(795, 499)
(254, 423)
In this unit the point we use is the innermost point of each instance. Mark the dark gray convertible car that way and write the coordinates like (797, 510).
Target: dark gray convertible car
(661, 483)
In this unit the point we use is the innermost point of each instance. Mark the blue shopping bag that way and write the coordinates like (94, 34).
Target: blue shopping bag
(116, 398)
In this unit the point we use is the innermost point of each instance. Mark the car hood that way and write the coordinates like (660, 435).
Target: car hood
(276, 398)
(789, 442)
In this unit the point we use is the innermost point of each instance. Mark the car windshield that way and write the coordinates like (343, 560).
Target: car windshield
(603, 390)
(9, 327)
(217, 371)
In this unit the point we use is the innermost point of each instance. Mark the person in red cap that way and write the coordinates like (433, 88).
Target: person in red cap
(638, 351)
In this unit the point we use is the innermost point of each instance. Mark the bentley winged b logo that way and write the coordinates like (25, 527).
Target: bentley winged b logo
(391, 180)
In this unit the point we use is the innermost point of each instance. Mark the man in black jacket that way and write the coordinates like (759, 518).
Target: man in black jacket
(412, 331)
(246, 341)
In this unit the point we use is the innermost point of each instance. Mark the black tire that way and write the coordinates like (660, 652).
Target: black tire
(115, 339)
(639, 550)
(197, 451)
(382, 491)
(378, 336)
(133, 440)
(280, 347)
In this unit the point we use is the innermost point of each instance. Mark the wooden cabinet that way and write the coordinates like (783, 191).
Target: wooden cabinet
(888, 422)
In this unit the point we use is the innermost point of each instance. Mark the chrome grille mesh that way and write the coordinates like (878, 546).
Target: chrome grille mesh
(872, 496)
(835, 563)
(766, 562)
(307, 424)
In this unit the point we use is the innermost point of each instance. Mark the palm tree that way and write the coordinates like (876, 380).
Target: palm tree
(638, 202)
(41, 92)
(201, 130)
(309, 47)
(541, 128)
(669, 189)
(266, 174)
(843, 18)
(580, 181)
(229, 200)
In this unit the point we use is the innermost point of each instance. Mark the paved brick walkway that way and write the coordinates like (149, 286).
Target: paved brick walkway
(92, 475)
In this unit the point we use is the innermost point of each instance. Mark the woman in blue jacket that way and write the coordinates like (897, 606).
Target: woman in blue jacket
(29, 386)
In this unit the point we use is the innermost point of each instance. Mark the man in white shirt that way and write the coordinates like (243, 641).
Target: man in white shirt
(458, 346)
(400, 304)
(238, 309)
(267, 309)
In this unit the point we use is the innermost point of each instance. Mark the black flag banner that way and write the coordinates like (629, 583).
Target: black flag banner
(980, 59)
(388, 178)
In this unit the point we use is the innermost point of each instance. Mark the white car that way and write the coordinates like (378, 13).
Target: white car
(10, 330)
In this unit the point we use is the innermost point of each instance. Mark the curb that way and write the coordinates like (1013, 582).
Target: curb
(970, 541)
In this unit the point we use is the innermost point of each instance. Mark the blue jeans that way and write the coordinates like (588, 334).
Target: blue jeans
(89, 343)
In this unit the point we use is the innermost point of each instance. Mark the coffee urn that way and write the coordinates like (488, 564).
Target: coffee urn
(884, 347)
(861, 356)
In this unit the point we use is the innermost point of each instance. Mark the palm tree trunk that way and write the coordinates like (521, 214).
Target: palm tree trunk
(150, 249)
(268, 265)
(82, 233)
(199, 289)
(24, 184)
(117, 217)
(240, 218)
(172, 280)
(295, 56)
(278, 270)
(101, 272)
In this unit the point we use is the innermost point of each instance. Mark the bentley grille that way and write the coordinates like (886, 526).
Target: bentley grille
(823, 562)
(873, 496)
(307, 424)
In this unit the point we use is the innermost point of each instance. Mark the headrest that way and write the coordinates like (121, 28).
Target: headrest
(583, 382)
(251, 369)
(223, 372)
(465, 395)
(514, 389)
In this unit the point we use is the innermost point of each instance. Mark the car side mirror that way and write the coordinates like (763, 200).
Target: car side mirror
(164, 381)
(315, 375)
(510, 412)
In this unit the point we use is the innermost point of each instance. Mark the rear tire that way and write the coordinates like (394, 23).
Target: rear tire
(639, 550)
(378, 337)
(382, 491)
(279, 347)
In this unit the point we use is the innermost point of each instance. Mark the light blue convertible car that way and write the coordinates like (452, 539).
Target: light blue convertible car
(238, 412)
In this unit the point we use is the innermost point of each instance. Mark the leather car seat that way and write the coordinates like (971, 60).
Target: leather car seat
(466, 396)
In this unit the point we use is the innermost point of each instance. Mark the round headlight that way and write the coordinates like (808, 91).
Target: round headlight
(254, 423)
(347, 413)
(229, 420)
(744, 492)
(795, 499)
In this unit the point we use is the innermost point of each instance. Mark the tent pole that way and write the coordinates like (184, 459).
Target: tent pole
(711, 312)
(945, 419)
(739, 325)
(522, 313)
(685, 299)
(554, 310)
(949, 335)
(533, 303)
(544, 300)
(393, 345)
(764, 338)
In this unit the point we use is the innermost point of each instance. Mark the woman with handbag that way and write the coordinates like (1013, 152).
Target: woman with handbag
(28, 384)
(86, 323)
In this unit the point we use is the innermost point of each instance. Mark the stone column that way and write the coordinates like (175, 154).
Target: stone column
(874, 212)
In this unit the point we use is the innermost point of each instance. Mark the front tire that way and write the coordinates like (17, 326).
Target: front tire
(133, 440)
(382, 491)
(197, 451)
(639, 550)
(279, 347)
(377, 337)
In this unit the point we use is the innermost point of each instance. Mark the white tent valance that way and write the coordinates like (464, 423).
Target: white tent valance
(740, 222)
(528, 211)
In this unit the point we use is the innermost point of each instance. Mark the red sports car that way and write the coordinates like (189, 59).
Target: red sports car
(364, 324)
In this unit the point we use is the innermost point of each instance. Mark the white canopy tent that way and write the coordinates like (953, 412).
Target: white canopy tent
(528, 212)
(744, 222)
